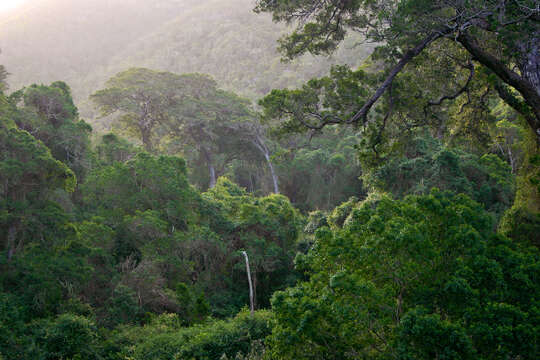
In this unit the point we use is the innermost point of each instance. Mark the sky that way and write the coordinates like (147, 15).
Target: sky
(6, 5)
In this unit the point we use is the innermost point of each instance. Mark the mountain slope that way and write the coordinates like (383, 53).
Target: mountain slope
(85, 43)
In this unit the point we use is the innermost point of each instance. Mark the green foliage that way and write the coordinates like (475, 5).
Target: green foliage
(424, 163)
(164, 339)
(28, 174)
(113, 148)
(123, 307)
(522, 221)
(335, 97)
(12, 330)
(166, 236)
(266, 228)
(142, 97)
(420, 278)
(66, 337)
(187, 112)
(194, 307)
(321, 172)
(405, 29)
(142, 183)
(112, 254)
(49, 114)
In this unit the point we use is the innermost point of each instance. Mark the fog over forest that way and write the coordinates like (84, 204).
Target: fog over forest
(86, 42)
(269, 179)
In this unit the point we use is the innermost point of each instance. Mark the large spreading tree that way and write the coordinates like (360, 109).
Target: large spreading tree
(186, 114)
(502, 38)
(141, 98)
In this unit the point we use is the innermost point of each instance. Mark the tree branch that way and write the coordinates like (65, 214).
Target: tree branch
(453, 96)
(515, 103)
(409, 55)
(529, 93)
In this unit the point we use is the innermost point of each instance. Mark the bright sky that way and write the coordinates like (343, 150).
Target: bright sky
(6, 5)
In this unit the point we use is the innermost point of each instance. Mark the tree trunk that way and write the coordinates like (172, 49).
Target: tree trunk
(251, 292)
(211, 169)
(272, 173)
(407, 57)
(146, 139)
(530, 67)
(212, 172)
(530, 70)
(527, 83)
(261, 145)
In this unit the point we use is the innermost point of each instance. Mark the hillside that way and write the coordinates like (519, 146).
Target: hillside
(170, 189)
(85, 43)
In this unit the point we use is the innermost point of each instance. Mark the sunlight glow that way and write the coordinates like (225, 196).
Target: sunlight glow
(6, 5)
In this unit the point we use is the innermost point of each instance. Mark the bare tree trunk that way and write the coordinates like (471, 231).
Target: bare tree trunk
(212, 172)
(272, 173)
(211, 169)
(531, 64)
(261, 145)
(251, 294)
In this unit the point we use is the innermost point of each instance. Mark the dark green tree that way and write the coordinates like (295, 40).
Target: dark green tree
(420, 278)
(423, 163)
(28, 174)
(497, 36)
(49, 114)
(266, 228)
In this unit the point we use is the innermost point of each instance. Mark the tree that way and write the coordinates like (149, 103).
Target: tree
(266, 228)
(249, 135)
(113, 148)
(28, 173)
(68, 336)
(164, 337)
(321, 171)
(494, 34)
(143, 183)
(142, 98)
(189, 113)
(424, 163)
(420, 278)
(207, 121)
(49, 114)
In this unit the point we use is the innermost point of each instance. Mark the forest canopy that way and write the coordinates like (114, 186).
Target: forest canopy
(232, 206)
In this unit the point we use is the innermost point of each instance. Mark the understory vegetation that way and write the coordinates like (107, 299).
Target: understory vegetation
(386, 211)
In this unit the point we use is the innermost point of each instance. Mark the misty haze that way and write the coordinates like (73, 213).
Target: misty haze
(269, 179)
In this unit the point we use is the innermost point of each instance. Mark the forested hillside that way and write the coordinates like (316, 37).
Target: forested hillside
(85, 42)
(170, 190)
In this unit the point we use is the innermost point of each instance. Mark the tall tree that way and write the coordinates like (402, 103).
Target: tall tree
(142, 98)
(213, 121)
(188, 110)
(503, 37)
(28, 173)
(50, 115)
